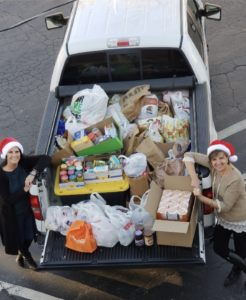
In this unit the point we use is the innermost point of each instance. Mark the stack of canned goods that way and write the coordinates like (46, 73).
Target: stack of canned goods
(71, 169)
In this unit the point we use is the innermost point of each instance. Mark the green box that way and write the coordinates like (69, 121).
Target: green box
(108, 146)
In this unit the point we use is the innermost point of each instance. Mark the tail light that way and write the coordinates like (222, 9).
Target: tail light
(34, 201)
(206, 208)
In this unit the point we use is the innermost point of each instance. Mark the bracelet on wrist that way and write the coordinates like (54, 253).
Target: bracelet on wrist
(32, 174)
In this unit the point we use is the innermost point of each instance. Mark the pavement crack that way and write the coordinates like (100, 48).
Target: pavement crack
(229, 72)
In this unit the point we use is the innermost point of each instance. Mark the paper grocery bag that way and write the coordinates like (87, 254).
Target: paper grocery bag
(138, 185)
(154, 155)
(131, 103)
(132, 140)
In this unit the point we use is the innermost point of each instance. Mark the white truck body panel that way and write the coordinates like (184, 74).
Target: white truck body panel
(154, 22)
(162, 28)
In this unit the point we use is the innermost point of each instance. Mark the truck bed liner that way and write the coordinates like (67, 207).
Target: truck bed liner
(56, 255)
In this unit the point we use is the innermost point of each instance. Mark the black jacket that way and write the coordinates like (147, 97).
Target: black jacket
(8, 229)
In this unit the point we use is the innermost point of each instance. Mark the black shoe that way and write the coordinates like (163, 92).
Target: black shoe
(232, 276)
(20, 260)
(30, 263)
(237, 261)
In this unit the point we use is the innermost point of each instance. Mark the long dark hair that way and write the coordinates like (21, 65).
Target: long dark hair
(4, 163)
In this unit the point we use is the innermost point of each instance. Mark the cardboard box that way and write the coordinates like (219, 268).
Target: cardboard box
(172, 233)
(107, 146)
(63, 153)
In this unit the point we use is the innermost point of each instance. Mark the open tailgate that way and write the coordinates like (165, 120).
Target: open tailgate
(56, 256)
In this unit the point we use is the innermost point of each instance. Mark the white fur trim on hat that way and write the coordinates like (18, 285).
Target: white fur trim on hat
(233, 158)
(218, 147)
(10, 145)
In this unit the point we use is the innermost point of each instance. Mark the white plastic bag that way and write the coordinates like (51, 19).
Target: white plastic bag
(59, 218)
(124, 226)
(89, 105)
(88, 211)
(98, 200)
(72, 125)
(181, 106)
(105, 233)
(134, 165)
(149, 107)
(140, 216)
(154, 133)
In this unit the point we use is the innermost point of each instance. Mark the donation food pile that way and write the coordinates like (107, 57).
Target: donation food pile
(135, 140)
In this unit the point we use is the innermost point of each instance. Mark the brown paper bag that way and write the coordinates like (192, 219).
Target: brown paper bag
(154, 155)
(164, 109)
(138, 185)
(132, 141)
(171, 167)
(131, 102)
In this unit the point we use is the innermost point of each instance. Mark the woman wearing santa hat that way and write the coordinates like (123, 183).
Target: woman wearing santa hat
(17, 224)
(229, 202)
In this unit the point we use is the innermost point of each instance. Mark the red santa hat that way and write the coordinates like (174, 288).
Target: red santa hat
(8, 143)
(223, 146)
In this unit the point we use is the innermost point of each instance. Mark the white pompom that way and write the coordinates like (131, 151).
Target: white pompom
(233, 158)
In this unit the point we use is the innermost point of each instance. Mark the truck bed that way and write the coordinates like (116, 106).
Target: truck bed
(56, 255)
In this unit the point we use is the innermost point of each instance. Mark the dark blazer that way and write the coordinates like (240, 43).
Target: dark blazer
(8, 230)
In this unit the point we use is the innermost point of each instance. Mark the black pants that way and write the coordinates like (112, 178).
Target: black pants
(25, 233)
(221, 242)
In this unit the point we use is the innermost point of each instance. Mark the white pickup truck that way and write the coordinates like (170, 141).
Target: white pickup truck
(120, 44)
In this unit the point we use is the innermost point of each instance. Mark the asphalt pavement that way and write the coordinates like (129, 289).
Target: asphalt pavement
(26, 60)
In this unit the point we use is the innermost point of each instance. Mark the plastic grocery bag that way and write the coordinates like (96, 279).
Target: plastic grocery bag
(88, 211)
(80, 237)
(181, 105)
(89, 106)
(98, 200)
(140, 216)
(149, 107)
(134, 165)
(59, 218)
(123, 225)
(104, 232)
(72, 125)
(175, 129)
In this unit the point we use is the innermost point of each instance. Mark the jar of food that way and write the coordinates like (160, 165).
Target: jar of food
(93, 138)
(64, 179)
(97, 132)
(72, 178)
(79, 177)
(148, 238)
(139, 239)
(63, 167)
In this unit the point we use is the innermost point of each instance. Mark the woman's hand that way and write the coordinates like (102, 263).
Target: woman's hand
(197, 192)
(29, 181)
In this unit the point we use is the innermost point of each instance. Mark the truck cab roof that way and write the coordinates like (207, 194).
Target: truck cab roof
(97, 24)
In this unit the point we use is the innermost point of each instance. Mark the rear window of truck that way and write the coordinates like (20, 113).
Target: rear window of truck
(124, 65)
